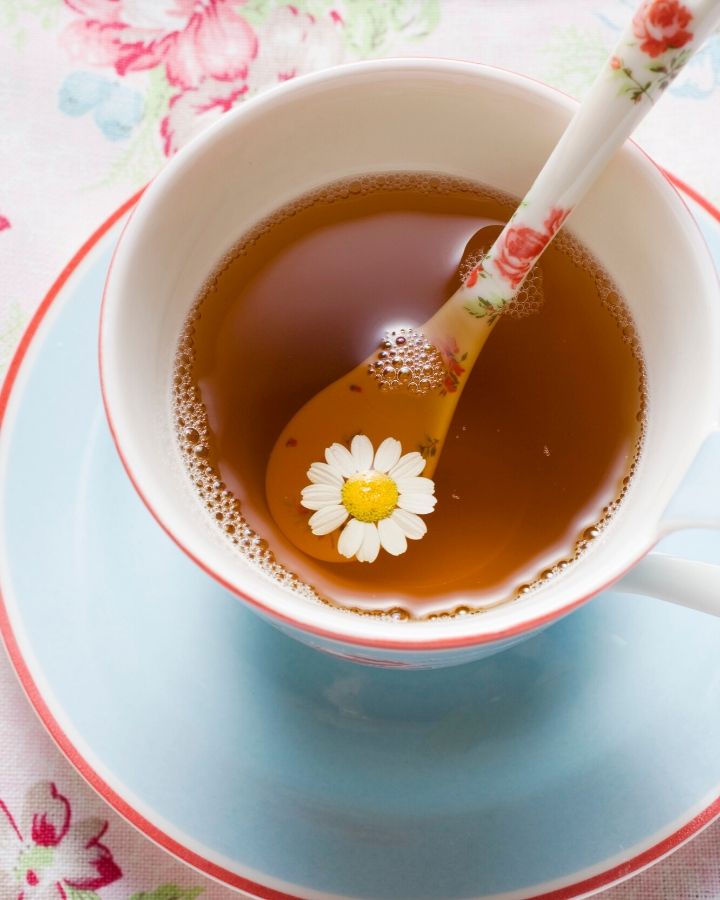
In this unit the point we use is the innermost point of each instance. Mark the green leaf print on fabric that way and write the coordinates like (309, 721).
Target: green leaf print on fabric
(13, 14)
(12, 324)
(369, 23)
(140, 161)
(415, 18)
(169, 892)
(574, 58)
(370, 26)
(256, 11)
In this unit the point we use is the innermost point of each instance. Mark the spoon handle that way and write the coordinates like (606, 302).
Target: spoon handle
(653, 48)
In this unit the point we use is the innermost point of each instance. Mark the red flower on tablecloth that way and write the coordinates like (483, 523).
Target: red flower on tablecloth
(522, 244)
(661, 25)
(46, 855)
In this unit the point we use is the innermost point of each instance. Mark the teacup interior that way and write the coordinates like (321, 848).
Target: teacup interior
(452, 118)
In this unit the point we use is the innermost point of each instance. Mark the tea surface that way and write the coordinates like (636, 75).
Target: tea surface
(545, 434)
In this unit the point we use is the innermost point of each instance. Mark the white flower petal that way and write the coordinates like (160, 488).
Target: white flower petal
(370, 546)
(340, 458)
(388, 453)
(417, 503)
(362, 452)
(392, 537)
(328, 492)
(363, 540)
(315, 504)
(409, 465)
(412, 525)
(415, 485)
(351, 538)
(328, 519)
(322, 473)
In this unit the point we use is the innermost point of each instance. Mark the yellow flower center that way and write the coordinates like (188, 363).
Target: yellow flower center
(370, 496)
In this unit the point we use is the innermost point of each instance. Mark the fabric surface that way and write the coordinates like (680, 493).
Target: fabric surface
(94, 96)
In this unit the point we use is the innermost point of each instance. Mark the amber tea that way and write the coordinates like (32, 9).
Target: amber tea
(545, 436)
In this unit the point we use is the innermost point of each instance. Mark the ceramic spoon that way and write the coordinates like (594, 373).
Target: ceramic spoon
(407, 390)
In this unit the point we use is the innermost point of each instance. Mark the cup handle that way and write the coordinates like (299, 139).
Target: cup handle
(696, 504)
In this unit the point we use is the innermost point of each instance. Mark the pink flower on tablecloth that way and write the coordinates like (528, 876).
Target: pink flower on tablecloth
(210, 53)
(290, 43)
(191, 111)
(45, 854)
(193, 39)
(294, 43)
(4, 223)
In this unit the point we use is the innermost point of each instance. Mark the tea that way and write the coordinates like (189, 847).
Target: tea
(545, 436)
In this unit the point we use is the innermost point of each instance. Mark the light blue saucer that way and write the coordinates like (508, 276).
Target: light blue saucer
(561, 765)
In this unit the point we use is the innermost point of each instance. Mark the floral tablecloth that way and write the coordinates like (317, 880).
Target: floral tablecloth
(94, 96)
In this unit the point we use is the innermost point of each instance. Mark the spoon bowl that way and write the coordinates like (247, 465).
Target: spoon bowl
(380, 406)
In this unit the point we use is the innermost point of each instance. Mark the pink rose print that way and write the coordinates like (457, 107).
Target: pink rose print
(294, 43)
(472, 278)
(554, 221)
(4, 223)
(661, 25)
(205, 46)
(450, 351)
(193, 110)
(515, 256)
(289, 42)
(450, 347)
(45, 855)
(193, 39)
(522, 245)
(211, 55)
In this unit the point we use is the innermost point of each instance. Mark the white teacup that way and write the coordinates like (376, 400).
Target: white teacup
(454, 118)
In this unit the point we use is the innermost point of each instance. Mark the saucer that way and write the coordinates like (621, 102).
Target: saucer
(553, 769)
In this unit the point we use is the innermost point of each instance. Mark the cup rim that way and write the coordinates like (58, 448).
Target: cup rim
(474, 633)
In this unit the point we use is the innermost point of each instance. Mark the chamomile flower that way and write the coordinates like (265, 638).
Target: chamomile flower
(380, 492)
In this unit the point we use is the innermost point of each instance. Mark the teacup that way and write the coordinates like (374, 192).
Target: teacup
(469, 121)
